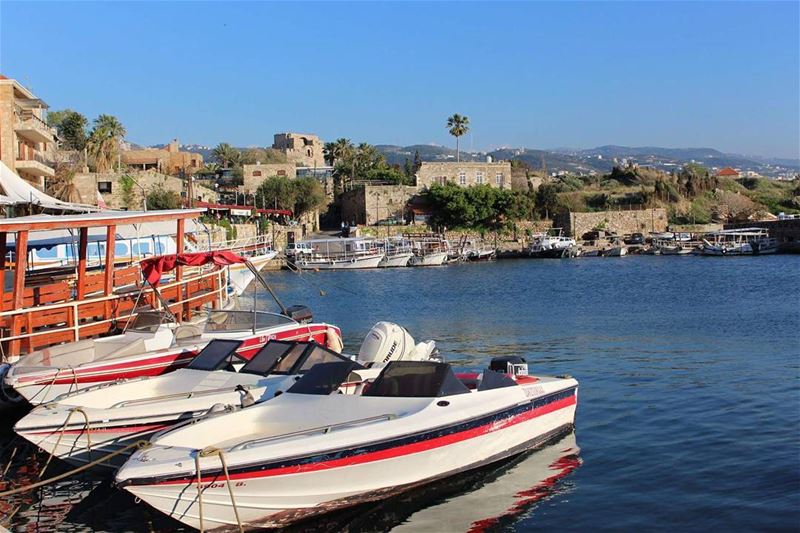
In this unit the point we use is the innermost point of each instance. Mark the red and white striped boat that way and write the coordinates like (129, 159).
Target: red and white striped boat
(150, 348)
(308, 452)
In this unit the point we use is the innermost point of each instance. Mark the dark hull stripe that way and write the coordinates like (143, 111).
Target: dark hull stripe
(387, 449)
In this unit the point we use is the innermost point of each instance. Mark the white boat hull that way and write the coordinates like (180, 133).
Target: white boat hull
(240, 277)
(434, 259)
(398, 260)
(275, 495)
(366, 261)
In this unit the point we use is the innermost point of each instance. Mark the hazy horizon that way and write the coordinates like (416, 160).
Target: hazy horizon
(534, 75)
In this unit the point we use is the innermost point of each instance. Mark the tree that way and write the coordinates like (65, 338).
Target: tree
(457, 125)
(547, 198)
(161, 198)
(227, 156)
(71, 128)
(276, 192)
(408, 168)
(309, 195)
(417, 161)
(103, 142)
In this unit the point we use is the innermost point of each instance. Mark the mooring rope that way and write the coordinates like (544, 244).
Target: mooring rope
(19, 490)
(207, 452)
(61, 434)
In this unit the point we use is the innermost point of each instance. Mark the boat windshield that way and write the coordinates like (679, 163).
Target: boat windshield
(303, 356)
(416, 379)
(216, 355)
(219, 321)
(267, 357)
(149, 321)
(324, 378)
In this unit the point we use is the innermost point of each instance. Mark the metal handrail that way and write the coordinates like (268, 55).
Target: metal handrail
(322, 429)
(186, 395)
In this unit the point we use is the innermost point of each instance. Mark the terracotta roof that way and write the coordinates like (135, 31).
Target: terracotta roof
(727, 171)
(3, 77)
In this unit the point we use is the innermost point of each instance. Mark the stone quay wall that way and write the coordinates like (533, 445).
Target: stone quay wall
(619, 222)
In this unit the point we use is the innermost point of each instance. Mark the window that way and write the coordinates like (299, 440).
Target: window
(256, 173)
(104, 186)
(120, 249)
(479, 178)
(462, 177)
(141, 248)
(498, 179)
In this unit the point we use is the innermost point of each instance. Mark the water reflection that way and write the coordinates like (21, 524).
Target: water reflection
(481, 500)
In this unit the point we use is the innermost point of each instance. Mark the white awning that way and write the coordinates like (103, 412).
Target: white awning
(19, 191)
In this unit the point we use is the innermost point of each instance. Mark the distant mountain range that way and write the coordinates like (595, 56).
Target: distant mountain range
(600, 159)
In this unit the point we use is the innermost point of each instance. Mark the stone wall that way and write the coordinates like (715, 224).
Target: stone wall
(619, 222)
(254, 175)
(169, 160)
(465, 174)
(371, 203)
(113, 192)
(301, 148)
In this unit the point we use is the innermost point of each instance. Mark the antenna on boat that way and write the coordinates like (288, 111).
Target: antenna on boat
(263, 282)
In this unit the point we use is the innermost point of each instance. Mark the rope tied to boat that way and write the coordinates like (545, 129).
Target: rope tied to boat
(208, 452)
(19, 490)
(87, 427)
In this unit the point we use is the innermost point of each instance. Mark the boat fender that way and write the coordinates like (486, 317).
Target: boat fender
(353, 260)
(333, 340)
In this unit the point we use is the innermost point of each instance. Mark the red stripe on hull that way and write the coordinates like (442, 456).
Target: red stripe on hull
(399, 451)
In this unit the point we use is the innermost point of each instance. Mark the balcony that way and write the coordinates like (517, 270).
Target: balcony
(32, 128)
(38, 166)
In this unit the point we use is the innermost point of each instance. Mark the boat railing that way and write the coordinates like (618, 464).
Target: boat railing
(176, 396)
(70, 321)
(253, 242)
(320, 429)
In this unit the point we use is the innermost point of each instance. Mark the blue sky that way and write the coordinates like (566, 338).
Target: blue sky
(541, 75)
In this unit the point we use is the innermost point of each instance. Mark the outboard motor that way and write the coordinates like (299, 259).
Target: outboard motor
(389, 342)
(513, 365)
(300, 313)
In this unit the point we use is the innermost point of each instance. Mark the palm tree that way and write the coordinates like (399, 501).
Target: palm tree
(63, 187)
(226, 155)
(103, 144)
(337, 150)
(457, 125)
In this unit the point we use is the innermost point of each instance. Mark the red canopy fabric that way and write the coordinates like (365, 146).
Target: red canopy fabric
(153, 267)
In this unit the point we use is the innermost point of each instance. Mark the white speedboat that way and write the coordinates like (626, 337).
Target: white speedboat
(150, 348)
(86, 425)
(309, 452)
(430, 249)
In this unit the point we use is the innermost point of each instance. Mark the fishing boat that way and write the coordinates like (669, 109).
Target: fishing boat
(396, 252)
(340, 254)
(430, 249)
(551, 244)
(746, 241)
(309, 452)
(105, 418)
(155, 343)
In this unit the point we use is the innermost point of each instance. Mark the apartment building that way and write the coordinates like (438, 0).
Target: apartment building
(26, 141)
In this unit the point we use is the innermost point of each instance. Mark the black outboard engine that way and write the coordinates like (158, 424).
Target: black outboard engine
(512, 365)
(300, 313)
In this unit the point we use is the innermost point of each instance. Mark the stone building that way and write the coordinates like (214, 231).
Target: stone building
(577, 224)
(370, 203)
(169, 160)
(117, 195)
(465, 174)
(26, 141)
(300, 148)
(253, 175)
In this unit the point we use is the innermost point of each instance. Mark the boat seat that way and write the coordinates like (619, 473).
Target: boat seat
(186, 331)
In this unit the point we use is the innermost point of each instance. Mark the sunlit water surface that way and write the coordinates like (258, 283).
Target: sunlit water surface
(689, 412)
